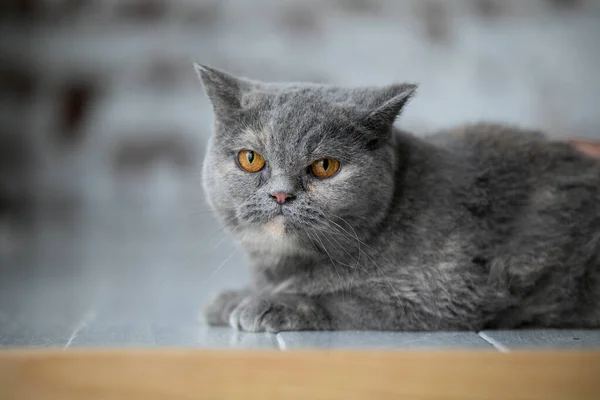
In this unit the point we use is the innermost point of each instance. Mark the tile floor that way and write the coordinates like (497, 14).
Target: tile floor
(141, 282)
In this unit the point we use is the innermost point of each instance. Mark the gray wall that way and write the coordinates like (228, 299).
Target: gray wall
(101, 114)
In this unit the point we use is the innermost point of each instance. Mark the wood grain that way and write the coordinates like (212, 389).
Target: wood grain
(198, 374)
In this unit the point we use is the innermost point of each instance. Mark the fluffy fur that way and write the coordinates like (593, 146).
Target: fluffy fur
(486, 226)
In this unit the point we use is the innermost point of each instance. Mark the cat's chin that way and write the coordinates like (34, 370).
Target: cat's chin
(273, 237)
(276, 227)
(278, 219)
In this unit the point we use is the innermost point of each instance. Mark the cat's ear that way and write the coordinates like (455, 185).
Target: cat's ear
(224, 91)
(386, 104)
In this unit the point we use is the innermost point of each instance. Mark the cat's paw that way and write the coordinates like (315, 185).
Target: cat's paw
(278, 312)
(218, 310)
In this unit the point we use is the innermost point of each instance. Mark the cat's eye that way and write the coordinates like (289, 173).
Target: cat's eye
(325, 167)
(250, 160)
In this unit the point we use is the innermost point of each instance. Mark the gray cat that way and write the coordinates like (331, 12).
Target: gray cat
(349, 223)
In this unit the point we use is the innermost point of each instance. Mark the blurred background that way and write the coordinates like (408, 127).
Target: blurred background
(103, 123)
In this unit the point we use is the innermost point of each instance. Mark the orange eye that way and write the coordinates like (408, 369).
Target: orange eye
(250, 160)
(325, 168)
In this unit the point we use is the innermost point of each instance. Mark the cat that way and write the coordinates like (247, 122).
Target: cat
(351, 223)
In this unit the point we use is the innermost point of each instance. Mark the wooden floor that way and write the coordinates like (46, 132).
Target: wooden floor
(193, 374)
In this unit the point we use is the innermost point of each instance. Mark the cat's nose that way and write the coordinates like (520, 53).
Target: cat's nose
(281, 197)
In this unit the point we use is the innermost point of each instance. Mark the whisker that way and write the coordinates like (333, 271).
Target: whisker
(221, 265)
(309, 238)
(325, 248)
(345, 234)
(341, 247)
(221, 229)
(233, 231)
(358, 240)
(354, 268)
(212, 211)
(384, 275)
(342, 228)
(369, 257)
(195, 214)
(332, 263)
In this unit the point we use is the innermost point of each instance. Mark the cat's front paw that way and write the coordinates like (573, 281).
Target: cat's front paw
(278, 312)
(218, 310)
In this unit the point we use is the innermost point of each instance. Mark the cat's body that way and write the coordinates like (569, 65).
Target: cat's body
(483, 227)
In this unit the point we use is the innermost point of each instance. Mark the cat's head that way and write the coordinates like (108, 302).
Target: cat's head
(289, 161)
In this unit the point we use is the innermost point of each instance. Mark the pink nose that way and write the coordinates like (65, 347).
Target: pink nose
(280, 197)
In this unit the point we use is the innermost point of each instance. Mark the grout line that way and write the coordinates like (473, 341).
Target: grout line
(87, 318)
(499, 346)
(280, 342)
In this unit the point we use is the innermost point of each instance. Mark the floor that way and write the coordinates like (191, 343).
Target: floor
(139, 279)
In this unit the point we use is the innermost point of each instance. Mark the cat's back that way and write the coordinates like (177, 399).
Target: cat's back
(519, 182)
(504, 177)
(535, 203)
(511, 150)
(525, 169)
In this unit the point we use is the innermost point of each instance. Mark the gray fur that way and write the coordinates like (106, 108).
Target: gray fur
(486, 226)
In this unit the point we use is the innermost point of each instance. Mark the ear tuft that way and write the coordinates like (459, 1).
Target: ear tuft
(388, 104)
(225, 91)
